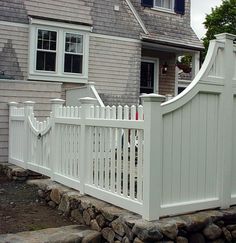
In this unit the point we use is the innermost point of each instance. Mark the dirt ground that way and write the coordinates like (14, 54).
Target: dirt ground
(21, 210)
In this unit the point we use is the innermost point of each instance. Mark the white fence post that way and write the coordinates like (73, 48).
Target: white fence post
(152, 168)
(86, 103)
(226, 120)
(11, 105)
(56, 104)
(28, 110)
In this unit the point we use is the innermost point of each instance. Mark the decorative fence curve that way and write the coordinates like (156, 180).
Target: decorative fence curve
(156, 160)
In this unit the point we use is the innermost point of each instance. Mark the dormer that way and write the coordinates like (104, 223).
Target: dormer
(175, 6)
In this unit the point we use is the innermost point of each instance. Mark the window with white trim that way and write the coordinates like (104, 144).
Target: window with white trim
(164, 4)
(58, 52)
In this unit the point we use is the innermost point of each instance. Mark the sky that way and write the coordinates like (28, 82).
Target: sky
(199, 9)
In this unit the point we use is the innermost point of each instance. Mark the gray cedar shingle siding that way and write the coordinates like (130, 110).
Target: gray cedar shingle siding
(14, 51)
(13, 11)
(116, 23)
(115, 69)
(69, 10)
(168, 27)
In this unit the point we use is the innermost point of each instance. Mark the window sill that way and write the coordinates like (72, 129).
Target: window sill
(164, 10)
(57, 78)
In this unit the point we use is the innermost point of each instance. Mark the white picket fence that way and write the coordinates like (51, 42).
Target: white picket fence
(173, 158)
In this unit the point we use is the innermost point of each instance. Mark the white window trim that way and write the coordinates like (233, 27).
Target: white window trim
(167, 10)
(156, 71)
(61, 28)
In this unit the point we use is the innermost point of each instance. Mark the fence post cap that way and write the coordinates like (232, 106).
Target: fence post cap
(57, 101)
(13, 103)
(153, 98)
(88, 100)
(28, 103)
(224, 36)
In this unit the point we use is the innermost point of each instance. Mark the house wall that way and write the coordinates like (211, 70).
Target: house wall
(20, 91)
(114, 66)
(14, 50)
(167, 80)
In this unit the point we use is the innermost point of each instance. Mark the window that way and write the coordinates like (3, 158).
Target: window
(164, 4)
(58, 52)
(73, 53)
(46, 50)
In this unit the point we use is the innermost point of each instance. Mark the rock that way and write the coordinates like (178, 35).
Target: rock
(90, 202)
(2, 191)
(196, 238)
(219, 241)
(111, 213)
(227, 234)
(212, 232)
(91, 213)
(86, 217)
(170, 231)
(137, 240)
(125, 240)
(118, 227)
(181, 239)
(231, 227)
(64, 206)
(128, 232)
(43, 184)
(147, 231)
(66, 234)
(94, 225)
(76, 214)
(92, 238)
(118, 237)
(19, 172)
(108, 234)
(17, 178)
(196, 222)
(41, 193)
(220, 223)
(57, 192)
(101, 220)
(52, 204)
(233, 233)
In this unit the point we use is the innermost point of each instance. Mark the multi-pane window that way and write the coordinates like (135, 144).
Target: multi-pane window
(46, 50)
(58, 51)
(166, 4)
(73, 58)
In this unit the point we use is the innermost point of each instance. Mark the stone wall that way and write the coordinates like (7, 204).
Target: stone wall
(118, 225)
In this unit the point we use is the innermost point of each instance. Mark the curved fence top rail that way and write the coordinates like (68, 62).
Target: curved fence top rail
(38, 127)
(210, 74)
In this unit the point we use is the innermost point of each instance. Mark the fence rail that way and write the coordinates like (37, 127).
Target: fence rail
(157, 159)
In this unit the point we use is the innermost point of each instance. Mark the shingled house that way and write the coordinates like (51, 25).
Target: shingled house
(126, 47)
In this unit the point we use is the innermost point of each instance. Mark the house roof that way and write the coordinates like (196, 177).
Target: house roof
(168, 28)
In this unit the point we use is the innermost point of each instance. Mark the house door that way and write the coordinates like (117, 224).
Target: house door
(149, 76)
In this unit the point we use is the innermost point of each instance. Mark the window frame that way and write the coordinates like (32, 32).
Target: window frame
(59, 74)
(169, 10)
(64, 52)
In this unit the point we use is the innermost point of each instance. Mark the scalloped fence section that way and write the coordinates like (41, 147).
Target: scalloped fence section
(159, 159)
